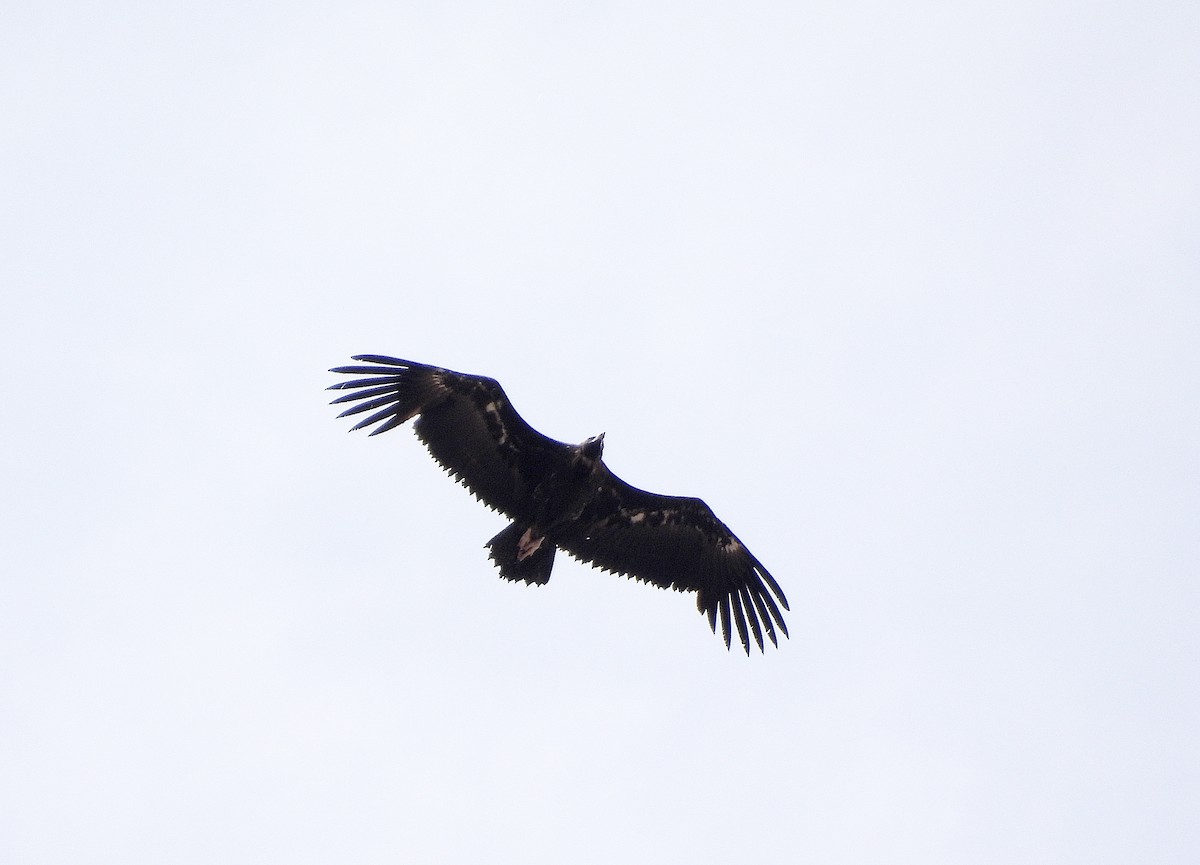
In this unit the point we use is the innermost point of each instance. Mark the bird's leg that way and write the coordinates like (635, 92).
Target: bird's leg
(528, 544)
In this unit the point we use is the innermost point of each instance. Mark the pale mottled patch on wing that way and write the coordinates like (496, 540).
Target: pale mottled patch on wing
(496, 422)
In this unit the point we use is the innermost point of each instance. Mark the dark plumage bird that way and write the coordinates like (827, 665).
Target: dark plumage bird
(563, 496)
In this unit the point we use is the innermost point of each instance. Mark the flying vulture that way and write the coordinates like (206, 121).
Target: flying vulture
(563, 496)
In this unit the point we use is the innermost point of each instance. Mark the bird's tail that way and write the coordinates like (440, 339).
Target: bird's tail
(534, 568)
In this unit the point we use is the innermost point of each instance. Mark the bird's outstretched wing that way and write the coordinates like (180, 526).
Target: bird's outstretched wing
(466, 421)
(678, 543)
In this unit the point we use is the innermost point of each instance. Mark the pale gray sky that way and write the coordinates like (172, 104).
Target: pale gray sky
(908, 294)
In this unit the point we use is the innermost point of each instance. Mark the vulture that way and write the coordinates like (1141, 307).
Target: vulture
(563, 496)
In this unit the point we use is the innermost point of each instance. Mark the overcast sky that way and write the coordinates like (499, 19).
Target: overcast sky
(909, 294)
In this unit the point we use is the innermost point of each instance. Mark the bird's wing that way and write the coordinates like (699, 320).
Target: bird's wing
(466, 421)
(677, 542)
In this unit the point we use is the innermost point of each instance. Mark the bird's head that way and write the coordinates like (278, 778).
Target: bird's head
(593, 448)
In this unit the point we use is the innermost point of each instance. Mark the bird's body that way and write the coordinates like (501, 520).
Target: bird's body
(562, 496)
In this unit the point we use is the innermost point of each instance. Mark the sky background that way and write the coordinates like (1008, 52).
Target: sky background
(910, 294)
